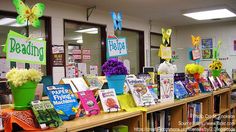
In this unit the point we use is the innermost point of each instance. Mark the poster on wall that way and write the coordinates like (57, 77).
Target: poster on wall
(116, 47)
(82, 69)
(232, 45)
(58, 55)
(207, 48)
(20, 48)
(4, 68)
(93, 70)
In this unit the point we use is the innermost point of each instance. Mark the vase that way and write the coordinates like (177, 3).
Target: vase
(216, 73)
(116, 82)
(23, 95)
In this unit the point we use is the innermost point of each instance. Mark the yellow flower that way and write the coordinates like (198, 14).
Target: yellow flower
(20, 76)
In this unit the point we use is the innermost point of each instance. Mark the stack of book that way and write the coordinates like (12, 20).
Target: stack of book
(194, 112)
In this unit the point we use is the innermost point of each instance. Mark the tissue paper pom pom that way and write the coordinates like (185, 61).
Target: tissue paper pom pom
(194, 68)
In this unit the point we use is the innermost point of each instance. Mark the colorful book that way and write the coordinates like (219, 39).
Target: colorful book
(45, 114)
(80, 84)
(109, 100)
(166, 87)
(93, 82)
(64, 101)
(179, 90)
(89, 102)
(206, 86)
(213, 83)
(147, 78)
(221, 84)
(140, 92)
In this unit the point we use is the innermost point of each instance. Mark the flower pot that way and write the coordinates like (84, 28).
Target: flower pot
(116, 82)
(23, 95)
(216, 73)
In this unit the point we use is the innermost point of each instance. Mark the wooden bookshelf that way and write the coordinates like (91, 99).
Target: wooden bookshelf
(220, 91)
(84, 123)
(138, 119)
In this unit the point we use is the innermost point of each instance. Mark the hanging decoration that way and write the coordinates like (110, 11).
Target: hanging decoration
(165, 50)
(194, 53)
(28, 15)
(117, 20)
(216, 65)
(165, 53)
(195, 69)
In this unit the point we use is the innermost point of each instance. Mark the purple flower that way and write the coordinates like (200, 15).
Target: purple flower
(114, 67)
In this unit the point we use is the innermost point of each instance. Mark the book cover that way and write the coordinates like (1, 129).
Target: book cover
(213, 83)
(64, 101)
(147, 78)
(167, 87)
(206, 85)
(89, 102)
(190, 113)
(198, 112)
(154, 92)
(80, 84)
(45, 114)
(221, 84)
(109, 100)
(140, 92)
(179, 90)
(93, 82)
(162, 120)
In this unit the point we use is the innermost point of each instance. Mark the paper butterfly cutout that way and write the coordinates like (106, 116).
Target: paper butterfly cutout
(196, 41)
(27, 14)
(166, 35)
(117, 20)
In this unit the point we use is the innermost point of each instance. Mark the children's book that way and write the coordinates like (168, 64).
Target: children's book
(89, 102)
(221, 84)
(140, 92)
(206, 86)
(167, 87)
(45, 114)
(64, 100)
(93, 82)
(109, 100)
(147, 78)
(80, 84)
(213, 83)
(179, 90)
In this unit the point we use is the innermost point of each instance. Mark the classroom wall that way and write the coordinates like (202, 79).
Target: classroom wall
(60, 11)
(225, 31)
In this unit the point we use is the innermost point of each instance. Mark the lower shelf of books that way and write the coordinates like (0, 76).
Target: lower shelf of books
(131, 119)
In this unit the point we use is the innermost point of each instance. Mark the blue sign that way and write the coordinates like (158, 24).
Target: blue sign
(116, 47)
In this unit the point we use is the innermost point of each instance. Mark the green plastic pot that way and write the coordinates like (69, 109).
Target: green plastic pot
(23, 95)
(216, 73)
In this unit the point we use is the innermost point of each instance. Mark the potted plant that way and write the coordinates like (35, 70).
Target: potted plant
(216, 68)
(23, 83)
(115, 72)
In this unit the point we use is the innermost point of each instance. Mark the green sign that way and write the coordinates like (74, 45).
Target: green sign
(20, 48)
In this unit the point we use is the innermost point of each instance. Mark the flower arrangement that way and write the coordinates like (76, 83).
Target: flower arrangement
(215, 65)
(114, 67)
(194, 68)
(20, 76)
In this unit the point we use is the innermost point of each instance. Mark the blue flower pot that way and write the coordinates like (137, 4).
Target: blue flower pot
(116, 82)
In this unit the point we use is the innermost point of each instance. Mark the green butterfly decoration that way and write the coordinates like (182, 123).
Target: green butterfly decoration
(27, 14)
(166, 35)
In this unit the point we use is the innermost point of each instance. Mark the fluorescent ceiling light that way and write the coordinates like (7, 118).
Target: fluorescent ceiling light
(87, 30)
(5, 21)
(18, 25)
(93, 32)
(211, 14)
